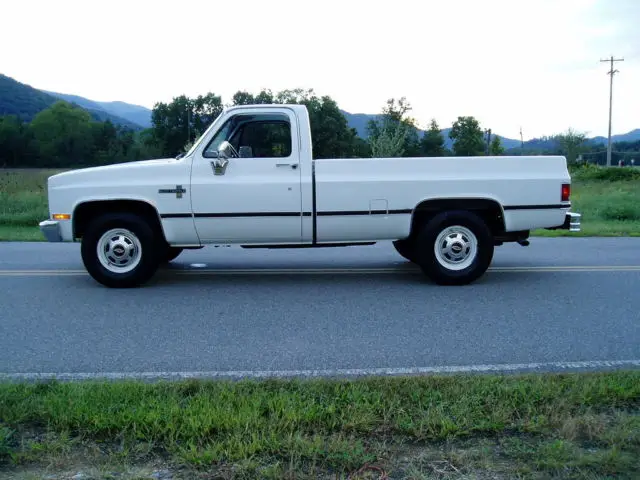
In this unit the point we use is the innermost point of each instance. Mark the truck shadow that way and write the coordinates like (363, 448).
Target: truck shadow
(410, 277)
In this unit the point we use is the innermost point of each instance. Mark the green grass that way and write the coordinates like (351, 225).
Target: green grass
(23, 202)
(9, 233)
(570, 425)
(609, 201)
(607, 198)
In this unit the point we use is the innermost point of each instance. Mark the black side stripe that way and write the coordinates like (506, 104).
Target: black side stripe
(344, 213)
(338, 213)
(286, 214)
(537, 207)
(252, 214)
(175, 215)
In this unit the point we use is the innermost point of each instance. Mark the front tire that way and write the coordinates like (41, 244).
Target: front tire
(119, 250)
(455, 248)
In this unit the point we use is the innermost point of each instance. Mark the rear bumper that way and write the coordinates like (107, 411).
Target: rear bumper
(51, 230)
(571, 222)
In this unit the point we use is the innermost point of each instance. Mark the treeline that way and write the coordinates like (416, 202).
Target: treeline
(392, 134)
(65, 135)
(580, 150)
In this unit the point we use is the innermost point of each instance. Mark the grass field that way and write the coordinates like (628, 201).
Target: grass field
(23, 203)
(609, 200)
(577, 425)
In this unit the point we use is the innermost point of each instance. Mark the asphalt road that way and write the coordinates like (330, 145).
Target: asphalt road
(557, 304)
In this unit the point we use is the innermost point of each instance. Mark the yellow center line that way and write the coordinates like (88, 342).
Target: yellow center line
(333, 271)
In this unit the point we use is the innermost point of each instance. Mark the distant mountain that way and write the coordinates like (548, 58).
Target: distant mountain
(104, 110)
(26, 102)
(134, 113)
(632, 136)
(21, 100)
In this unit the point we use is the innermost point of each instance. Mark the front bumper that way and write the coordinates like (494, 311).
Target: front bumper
(51, 230)
(571, 222)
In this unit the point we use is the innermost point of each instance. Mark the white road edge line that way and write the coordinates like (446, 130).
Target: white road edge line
(354, 372)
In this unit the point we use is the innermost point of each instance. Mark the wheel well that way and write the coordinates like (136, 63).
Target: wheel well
(489, 210)
(85, 212)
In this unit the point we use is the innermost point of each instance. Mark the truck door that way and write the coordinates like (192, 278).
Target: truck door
(254, 196)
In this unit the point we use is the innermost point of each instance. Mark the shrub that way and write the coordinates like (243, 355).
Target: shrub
(607, 174)
(620, 205)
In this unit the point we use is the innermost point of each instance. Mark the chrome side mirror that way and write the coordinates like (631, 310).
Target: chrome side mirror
(222, 155)
(226, 150)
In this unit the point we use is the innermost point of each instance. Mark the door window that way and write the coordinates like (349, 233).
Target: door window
(255, 136)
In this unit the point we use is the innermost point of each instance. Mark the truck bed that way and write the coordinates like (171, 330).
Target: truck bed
(374, 198)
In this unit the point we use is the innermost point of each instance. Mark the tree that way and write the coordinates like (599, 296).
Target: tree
(265, 97)
(389, 142)
(571, 144)
(64, 135)
(179, 122)
(496, 147)
(331, 136)
(467, 137)
(12, 141)
(393, 133)
(432, 143)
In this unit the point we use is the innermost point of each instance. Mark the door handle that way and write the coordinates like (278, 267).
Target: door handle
(292, 165)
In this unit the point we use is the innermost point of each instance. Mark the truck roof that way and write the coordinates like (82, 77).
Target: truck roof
(292, 106)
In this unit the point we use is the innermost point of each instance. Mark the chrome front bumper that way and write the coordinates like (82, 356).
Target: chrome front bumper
(571, 222)
(51, 230)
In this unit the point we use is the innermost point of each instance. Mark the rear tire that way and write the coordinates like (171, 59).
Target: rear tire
(455, 248)
(119, 250)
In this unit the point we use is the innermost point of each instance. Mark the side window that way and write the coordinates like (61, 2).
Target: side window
(265, 139)
(255, 136)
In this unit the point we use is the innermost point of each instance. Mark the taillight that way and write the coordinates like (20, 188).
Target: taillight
(566, 192)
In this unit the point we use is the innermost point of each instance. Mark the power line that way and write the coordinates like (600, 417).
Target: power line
(611, 72)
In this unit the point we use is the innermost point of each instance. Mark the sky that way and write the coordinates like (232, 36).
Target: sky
(530, 64)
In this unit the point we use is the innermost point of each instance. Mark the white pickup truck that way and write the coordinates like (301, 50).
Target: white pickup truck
(251, 180)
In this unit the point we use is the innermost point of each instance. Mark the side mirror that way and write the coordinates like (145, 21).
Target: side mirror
(226, 151)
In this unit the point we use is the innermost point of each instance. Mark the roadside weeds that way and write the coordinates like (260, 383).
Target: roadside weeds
(579, 425)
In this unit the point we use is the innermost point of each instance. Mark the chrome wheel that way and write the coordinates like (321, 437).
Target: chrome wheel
(456, 247)
(119, 250)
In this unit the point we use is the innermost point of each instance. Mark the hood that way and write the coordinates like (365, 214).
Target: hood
(101, 171)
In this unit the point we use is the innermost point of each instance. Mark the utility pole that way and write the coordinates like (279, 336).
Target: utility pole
(488, 133)
(188, 124)
(611, 72)
(521, 140)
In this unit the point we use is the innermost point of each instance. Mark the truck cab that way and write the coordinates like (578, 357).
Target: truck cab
(255, 188)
